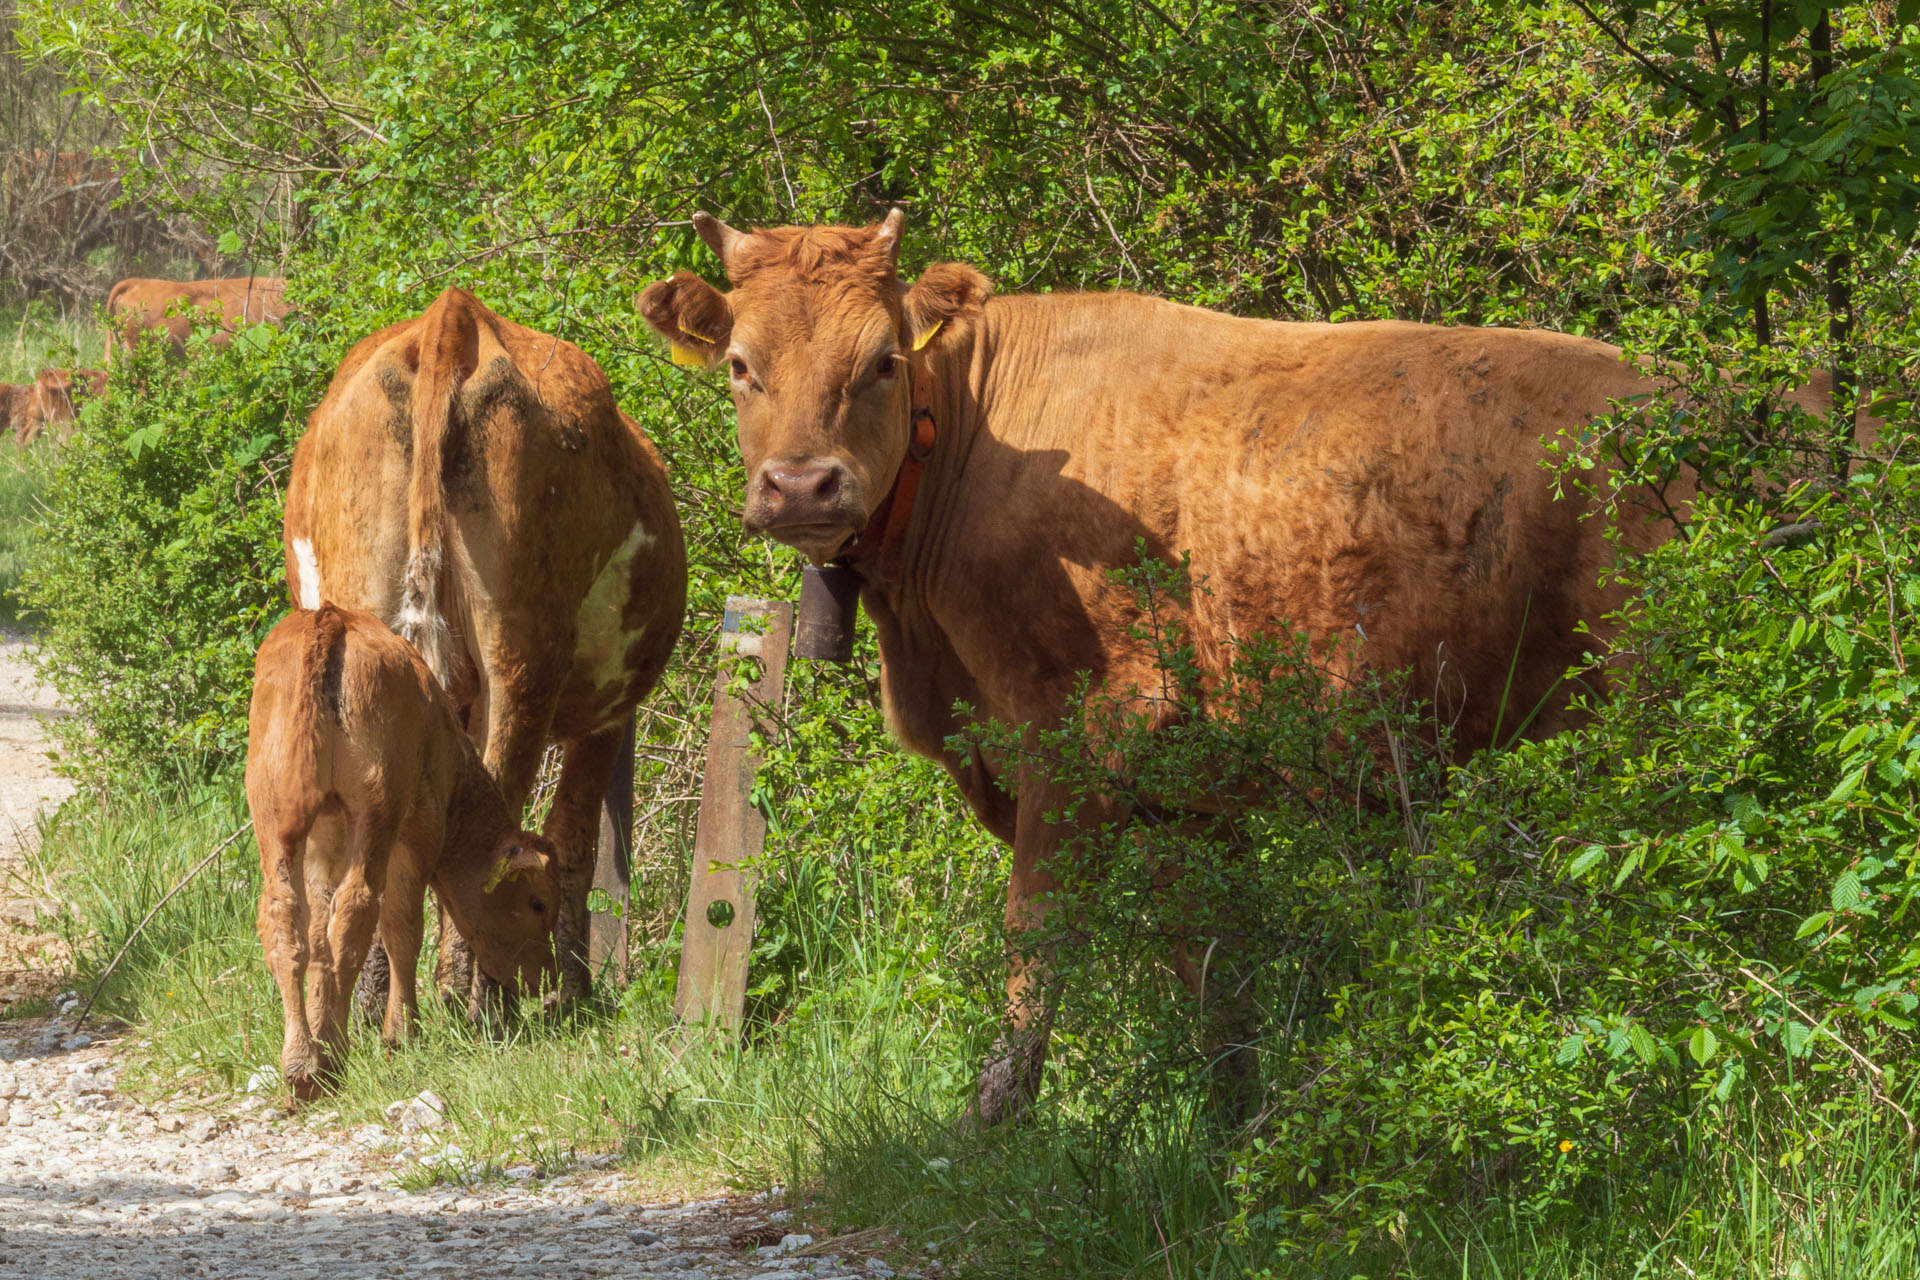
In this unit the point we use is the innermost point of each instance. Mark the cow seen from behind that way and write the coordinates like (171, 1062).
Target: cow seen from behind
(471, 482)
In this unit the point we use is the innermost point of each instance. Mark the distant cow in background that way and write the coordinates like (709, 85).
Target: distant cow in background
(143, 305)
(364, 790)
(54, 399)
(472, 483)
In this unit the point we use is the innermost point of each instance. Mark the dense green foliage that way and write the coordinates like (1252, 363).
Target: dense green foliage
(160, 569)
(1556, 986)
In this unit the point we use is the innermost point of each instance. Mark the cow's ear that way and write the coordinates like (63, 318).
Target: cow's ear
(692, 315)
(946, 294)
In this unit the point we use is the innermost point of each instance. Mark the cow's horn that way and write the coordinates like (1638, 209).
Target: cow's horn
(720, 237)
(889, 233)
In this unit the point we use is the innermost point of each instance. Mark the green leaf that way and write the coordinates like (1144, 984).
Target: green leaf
(1570, 1049)
(1813, 924)
(1643, 1046)
(1586, 860)
(230, 242)
(1848, 785)
(1702, 1044)
(1846, 893)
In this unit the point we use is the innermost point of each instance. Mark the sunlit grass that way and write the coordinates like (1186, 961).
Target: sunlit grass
(855, 1105)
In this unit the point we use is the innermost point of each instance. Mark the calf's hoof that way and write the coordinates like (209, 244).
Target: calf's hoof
(303, 1087)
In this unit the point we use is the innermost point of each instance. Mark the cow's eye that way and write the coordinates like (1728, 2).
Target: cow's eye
(885, 369)
(539, 906)
(739, 368)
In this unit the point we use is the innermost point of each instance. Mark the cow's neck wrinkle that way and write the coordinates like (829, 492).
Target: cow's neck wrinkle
(929, 620)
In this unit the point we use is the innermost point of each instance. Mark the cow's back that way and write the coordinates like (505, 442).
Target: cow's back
(1382, 487)
(547, 488)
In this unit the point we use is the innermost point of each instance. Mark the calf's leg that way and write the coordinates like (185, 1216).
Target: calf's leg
(353, 913)
(402, 926)
(283, 933)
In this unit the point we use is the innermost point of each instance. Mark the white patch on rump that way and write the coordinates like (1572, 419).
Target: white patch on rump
(306, 574)
(600, 640)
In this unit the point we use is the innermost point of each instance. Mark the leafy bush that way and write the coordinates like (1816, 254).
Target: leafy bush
(159, 570)
(1540, 978)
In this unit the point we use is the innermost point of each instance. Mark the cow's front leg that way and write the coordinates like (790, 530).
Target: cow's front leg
(573, 824)
(1010, 1078)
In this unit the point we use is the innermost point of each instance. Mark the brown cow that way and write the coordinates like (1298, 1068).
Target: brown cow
(984, 462)
(172, 307)
(364, 790)
(472, 482)
(54, 399)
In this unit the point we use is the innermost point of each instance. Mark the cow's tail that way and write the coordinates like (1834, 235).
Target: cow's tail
(316, 705)
(115, 294)
(448, 352)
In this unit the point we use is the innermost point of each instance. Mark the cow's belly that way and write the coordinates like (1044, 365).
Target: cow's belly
(608, 631)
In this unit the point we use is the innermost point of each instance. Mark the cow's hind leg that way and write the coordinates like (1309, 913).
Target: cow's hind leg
(508, 722)
(283, 933)
(1216, 972)
(573, 824)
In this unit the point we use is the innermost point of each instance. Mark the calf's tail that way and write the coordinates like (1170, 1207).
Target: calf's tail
(316, 694)
(447, 353)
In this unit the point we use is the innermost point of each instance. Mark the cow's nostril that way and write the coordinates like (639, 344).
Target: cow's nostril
(807, 485)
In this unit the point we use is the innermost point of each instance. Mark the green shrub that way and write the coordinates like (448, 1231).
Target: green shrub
(158, 570)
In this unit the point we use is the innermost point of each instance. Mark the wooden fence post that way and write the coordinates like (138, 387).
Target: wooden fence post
(719, 926)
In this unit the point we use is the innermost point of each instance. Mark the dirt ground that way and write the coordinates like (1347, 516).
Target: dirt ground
(95, 1185)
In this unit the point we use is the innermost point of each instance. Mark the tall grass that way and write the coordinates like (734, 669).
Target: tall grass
(22, 480)
(47, 333)
(855, 1105)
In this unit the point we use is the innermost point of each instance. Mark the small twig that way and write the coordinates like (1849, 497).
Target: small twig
(1788, 532)
(198, 867)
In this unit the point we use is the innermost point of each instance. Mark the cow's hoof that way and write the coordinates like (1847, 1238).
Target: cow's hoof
(1009, 1082)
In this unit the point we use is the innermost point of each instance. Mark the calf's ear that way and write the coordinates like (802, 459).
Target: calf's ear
(946, 295)
(692, 315)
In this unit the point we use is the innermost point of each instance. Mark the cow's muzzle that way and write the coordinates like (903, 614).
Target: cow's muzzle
(809, 504)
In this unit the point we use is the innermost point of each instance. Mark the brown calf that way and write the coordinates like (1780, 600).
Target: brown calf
(364, 790)
(54, 399)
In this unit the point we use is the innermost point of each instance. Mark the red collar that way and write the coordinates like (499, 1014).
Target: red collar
(876, 550)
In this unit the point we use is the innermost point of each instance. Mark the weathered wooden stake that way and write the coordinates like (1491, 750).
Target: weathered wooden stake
(720, 915)
(613, 868)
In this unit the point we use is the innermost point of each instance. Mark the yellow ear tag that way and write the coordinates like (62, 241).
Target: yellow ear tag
(927, 337)
(502, 872)
(688, 357)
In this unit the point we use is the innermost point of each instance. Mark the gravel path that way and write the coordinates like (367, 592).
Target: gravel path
(96, 1186)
